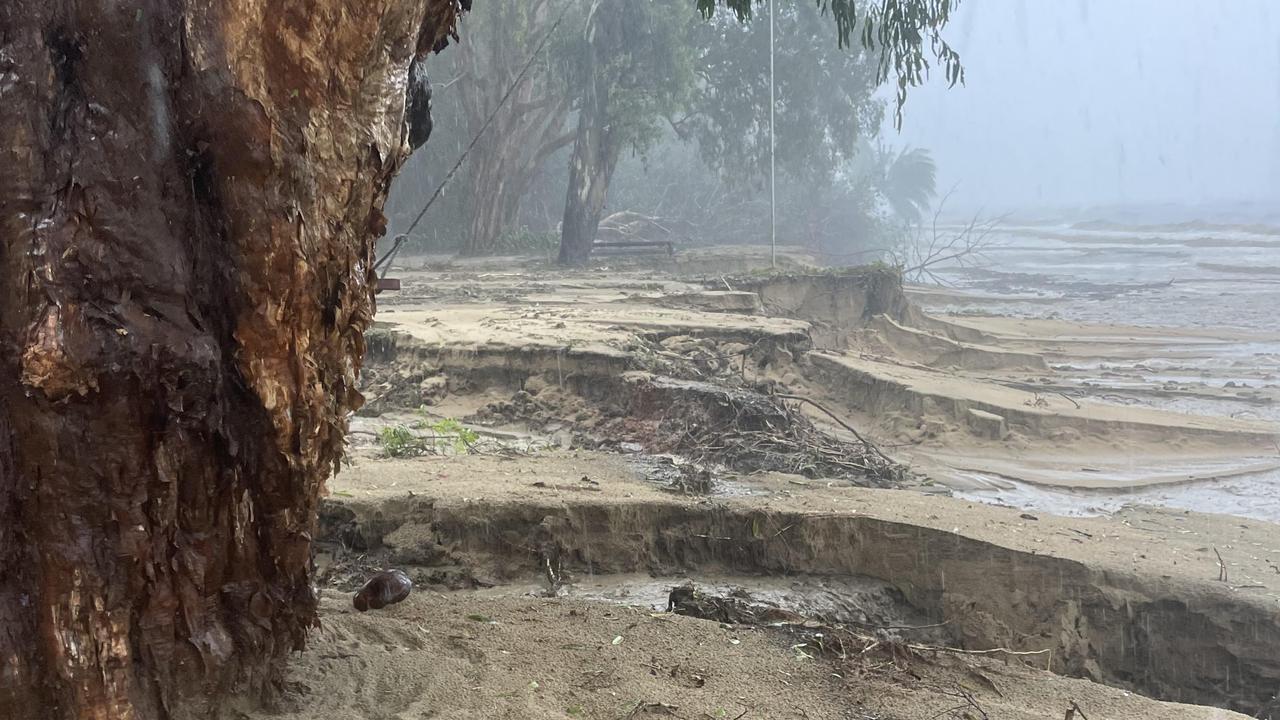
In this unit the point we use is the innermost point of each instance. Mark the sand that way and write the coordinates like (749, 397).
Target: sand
(461, 657)
(1076, 406)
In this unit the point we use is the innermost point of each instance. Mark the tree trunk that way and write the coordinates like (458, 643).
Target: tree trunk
(590, 170)
(595, 154)
(503, 174)
(491, 191)
(485, 185)
(190, 191)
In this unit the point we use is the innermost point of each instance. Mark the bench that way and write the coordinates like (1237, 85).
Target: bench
(636, 246)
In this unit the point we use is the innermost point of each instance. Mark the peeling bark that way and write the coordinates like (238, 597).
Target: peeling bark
(189, 196)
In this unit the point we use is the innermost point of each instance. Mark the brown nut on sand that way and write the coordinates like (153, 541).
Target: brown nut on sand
(386, 588)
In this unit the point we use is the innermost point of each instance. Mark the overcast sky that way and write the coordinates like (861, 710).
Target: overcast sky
(1085, 102)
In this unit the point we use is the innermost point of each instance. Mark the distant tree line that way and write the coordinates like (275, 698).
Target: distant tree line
(642, 107)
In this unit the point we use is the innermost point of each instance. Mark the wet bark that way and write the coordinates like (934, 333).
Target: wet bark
(494, 201)
(595, 155)
(189, 196)
(499, 181)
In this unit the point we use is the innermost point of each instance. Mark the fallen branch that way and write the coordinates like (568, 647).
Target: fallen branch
(921, 256)
(872, 626)
(962, 711)
(869, 445)
(989, 651)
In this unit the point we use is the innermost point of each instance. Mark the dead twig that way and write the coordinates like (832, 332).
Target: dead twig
(962, 711)
(1073, 711)
(869, 445)
(871, 626)
(988, 651)
(653, 708)
(1222, 566)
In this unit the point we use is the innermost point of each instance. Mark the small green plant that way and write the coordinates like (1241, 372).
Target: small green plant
(455, 434)
(399, 441)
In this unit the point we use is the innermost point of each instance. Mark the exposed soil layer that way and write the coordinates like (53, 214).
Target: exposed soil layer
(1130, 602)
(944, 388)
(464, 656)
(635, 429)
(878, 387)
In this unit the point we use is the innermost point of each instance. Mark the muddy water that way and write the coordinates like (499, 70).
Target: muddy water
(841, 600)
(1187, 278)
(1254, 496)
(1191, 277)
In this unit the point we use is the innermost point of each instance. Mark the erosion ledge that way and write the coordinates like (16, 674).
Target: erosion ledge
(1133, 600)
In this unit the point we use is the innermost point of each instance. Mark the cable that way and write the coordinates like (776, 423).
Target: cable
(391, 255)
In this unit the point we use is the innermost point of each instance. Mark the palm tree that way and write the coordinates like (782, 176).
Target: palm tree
(903, 182)
(908, 182)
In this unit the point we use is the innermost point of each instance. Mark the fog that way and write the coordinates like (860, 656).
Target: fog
(1112, 102)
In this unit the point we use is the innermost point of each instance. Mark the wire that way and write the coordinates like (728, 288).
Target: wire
(391, 255)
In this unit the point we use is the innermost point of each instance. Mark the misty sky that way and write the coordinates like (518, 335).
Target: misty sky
(1084, 102)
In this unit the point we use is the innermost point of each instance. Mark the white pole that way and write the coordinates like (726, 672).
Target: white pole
(773, 195)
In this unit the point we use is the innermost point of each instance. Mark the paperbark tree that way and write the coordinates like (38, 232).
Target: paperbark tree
(526, 130)
(190, 191)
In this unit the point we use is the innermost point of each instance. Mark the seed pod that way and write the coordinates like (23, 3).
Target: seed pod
(386, 588)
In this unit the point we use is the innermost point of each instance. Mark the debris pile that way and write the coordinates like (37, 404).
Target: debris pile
(749, 432)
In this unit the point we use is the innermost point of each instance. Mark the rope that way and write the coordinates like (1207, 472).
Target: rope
(391, 255)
